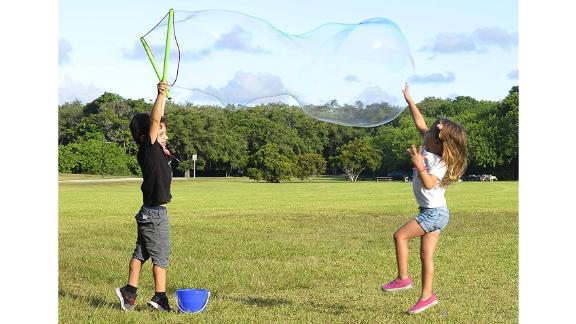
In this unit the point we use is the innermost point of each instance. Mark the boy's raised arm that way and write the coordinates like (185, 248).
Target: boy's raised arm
(415, 112)
(157, 112)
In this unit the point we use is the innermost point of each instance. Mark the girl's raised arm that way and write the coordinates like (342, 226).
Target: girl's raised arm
(415, 112)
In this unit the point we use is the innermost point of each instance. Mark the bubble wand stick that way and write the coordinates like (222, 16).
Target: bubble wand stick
(166, 50)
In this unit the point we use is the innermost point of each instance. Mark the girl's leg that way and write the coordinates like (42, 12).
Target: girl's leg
(401, 238)
(428, 244)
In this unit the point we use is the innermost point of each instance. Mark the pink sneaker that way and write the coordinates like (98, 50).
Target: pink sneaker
(423, 305)
(398, 284)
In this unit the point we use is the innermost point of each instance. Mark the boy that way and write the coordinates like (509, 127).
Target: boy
(149, 132)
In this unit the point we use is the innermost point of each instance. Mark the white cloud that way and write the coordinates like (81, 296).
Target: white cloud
(246, 87)
(495, 36)
(352, 78)
(451, 43)
(478, 41)
(513, 75)
(238, 39)
(137, 52)
(71, 90)
(375, 94)
(64, 51)
(453, 96)
(445, 77)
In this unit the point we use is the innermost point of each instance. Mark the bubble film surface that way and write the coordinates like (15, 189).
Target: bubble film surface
(348, 74)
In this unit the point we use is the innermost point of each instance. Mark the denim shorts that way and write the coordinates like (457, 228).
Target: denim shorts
(153, 235)
(433, 219)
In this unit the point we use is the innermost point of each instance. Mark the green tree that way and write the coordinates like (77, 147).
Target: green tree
(227, 139)
(69, 115)
(508, 133)
(219, 143)
(182, 125)
(482, 131)
(393, 141)
(270, 124)
(309, 165)
(357, 156)
(272, 163)
(94, 156)
(336, 136)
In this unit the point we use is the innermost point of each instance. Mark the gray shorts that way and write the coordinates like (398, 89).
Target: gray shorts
(433, 219)
(153, 235)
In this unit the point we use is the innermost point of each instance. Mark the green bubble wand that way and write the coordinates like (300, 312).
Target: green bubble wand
(169, 33)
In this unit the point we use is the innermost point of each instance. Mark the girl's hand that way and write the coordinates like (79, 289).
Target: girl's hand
(406, 92)
(417, 157)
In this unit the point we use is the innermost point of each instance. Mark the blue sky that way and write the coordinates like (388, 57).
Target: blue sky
(459, 47)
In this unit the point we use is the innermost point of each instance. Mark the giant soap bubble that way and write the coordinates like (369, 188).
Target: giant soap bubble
(348, 74)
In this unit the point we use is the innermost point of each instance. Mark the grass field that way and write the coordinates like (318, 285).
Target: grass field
(290, 252)
(69, 176)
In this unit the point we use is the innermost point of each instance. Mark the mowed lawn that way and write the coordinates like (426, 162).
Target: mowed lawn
(290, 252)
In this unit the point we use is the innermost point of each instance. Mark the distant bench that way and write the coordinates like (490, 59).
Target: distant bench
(383, 179)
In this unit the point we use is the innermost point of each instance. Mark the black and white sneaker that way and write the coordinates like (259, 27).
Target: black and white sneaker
(127, 300)
(160, 304)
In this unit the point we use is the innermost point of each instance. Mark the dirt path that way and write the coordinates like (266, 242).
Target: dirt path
(109, 180)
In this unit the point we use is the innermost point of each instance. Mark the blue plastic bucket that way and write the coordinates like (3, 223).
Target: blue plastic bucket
(192, 300)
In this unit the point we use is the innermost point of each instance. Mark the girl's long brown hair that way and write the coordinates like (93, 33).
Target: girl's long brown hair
(455, 149)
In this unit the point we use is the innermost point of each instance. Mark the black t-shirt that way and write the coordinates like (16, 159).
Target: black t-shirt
(156, 171)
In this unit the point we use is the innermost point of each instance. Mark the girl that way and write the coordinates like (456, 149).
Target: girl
(439, 163)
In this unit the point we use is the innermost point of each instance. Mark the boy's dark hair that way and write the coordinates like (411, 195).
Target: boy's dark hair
(140, 126)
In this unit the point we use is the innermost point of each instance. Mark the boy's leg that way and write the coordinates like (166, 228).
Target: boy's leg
(401, 238)
(159, 301)
(428, 243)
(139, 256)
(159, 278)
(134, 272)
(127, 294)
(159, 250)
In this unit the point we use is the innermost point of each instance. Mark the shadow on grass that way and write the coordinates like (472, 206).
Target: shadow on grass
(265, 302)
(92, 301)
(258, 301)
(335, 309)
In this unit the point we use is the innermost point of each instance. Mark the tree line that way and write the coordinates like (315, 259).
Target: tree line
(275, 142)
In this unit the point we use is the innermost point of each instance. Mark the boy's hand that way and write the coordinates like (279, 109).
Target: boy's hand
(162, 87)
(417, 157)
(406, 92)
